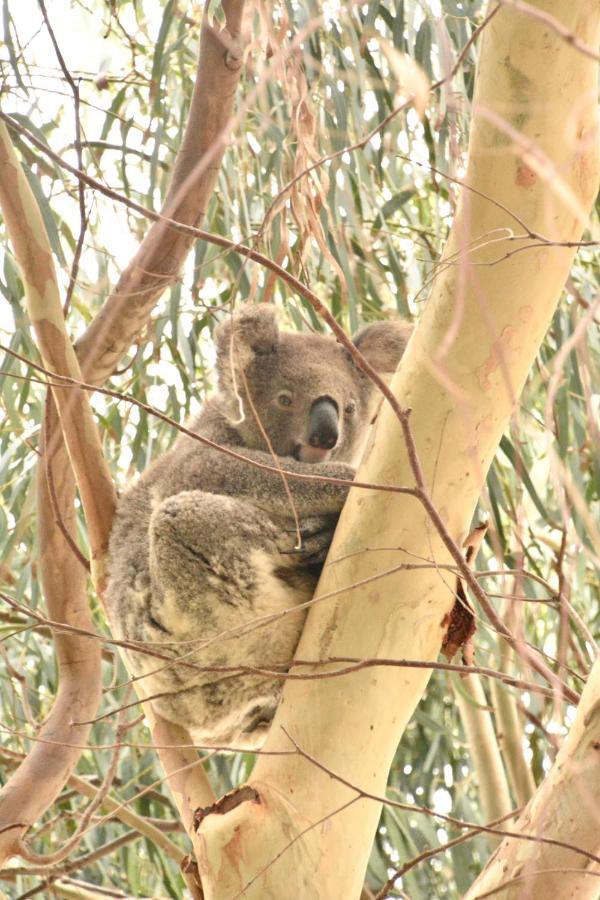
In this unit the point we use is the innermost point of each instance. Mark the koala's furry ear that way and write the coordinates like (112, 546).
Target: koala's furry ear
(383, 343)
(249, 333)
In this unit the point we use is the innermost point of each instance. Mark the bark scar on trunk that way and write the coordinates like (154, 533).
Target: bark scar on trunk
(460, 621)
(189, 866)
(226, 803)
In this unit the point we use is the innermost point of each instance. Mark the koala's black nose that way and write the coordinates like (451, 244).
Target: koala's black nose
(323, 429)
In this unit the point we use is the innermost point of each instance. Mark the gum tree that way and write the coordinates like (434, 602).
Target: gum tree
(303, 824)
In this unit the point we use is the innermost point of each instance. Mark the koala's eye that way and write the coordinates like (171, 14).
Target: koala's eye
(350, 408)
(284, 399)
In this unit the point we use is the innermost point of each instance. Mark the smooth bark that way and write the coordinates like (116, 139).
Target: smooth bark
(164, 249)
(462, 374)
(52, 759)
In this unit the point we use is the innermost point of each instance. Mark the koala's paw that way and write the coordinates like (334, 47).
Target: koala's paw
(315, 535)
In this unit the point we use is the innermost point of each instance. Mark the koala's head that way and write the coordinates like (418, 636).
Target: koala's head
(303, 390)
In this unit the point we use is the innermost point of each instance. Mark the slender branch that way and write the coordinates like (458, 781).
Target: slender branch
(78, 657)
(51, 859)
(366, 795)
(532, 657)
(354, 664)
(65, 381)
(171, 223)
(218, 73)
(530, 654)
(81, 862)
(435, 851)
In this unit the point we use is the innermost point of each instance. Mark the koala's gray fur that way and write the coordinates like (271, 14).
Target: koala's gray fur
(204, 543)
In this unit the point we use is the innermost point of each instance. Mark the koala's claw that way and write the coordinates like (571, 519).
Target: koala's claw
(313, 525)
(307, 532)
(310, 545)
(315, 537)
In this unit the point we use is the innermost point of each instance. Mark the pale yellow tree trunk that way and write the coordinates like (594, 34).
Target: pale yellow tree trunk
(533, 150)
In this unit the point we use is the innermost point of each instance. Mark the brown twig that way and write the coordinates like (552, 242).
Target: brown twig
(51, 859)
(75, 865)
(420, 492)
(355, 665)
(434, 851)
(385, 801)
(403, 417)
(65, 381)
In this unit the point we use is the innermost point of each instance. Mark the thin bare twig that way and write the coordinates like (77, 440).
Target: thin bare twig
(385, 801)
(420, 492)
(434, 851)
(403, 417)
(51, 859)
(65, 381)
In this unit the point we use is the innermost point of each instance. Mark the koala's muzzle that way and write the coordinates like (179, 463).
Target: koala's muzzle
(323, 424)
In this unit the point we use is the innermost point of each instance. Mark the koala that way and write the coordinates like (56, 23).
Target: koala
(204, 546)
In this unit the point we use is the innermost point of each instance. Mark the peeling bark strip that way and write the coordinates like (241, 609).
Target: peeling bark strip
(226, 803)
(462, 374)
(460, 623)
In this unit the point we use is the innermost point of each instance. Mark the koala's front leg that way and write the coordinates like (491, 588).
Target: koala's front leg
(217, 562)
(222, 473)
(309, 543)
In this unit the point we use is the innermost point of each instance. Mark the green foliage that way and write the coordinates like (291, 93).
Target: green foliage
(365, 230)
